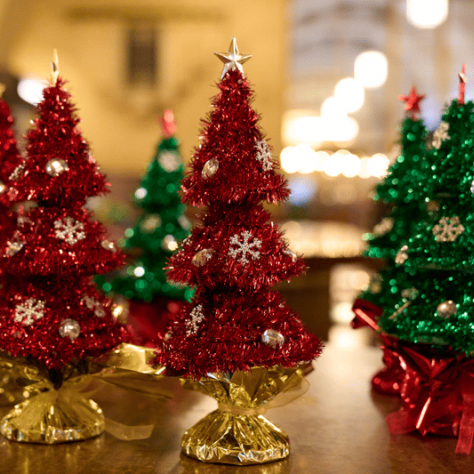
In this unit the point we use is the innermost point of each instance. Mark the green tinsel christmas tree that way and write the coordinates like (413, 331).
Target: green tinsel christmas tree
(438, 308)
(155, 236)
(403, 189)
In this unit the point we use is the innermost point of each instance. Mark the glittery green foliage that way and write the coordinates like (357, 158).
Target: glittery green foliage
(446, 241)
(440, 253)
(402, 188)
(395, 230)
(403, 182)
(452, 155)
(157, 231)
(420, 321)
(386, 286)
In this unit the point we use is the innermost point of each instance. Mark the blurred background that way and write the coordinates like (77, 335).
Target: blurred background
(327, 74)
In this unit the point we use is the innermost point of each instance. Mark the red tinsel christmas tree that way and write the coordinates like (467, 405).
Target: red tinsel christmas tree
(235, 321)
(237, 337)
(52, 313)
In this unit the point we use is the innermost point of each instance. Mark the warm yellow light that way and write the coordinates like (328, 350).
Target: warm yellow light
(350, 166)
(322, 157)
(31, 90)
(307, 158)
(427, 13)
(289, 161)
(332, 165)
(343, 129)
(378, 165)
(333, 108)
(301, 126)
(364, 172)
(371, 69)
(350, 94)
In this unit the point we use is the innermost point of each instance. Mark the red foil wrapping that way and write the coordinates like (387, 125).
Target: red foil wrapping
(437, 394)
(390, 377)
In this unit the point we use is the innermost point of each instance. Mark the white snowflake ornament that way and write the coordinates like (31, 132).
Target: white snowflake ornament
(448, 229)
(384, 226)
(29, 311)
(17, 172)
(196, 317)
(440, 134)
(264, 155)
(402, 255)
(69, 230)
(247, 247)
(93, 304)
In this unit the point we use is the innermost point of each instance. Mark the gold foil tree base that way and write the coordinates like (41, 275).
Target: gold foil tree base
(10, 392)
(55, 416)
(237, 432)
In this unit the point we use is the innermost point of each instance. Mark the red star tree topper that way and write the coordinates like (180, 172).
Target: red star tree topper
(52, 312)
(235, 320)
(412, 102)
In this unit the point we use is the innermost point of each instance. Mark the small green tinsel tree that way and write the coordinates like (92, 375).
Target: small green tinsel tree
(160, 227)
(439, 308)
(403, 189)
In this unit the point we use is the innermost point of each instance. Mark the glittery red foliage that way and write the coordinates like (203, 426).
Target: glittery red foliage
(59, 241)
(275, 262)
(9, 159)
(36, 334)
(229, 335)
(230, 134)
(50, 311)
(55, 135)
(235, 321)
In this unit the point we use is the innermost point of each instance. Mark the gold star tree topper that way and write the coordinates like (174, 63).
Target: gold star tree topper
(233, 59)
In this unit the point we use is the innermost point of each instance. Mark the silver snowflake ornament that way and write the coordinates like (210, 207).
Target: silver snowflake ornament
(17, 172)
(402, 255)
(448, 229)
(264, 155)
(249, 246)
(440, 134)
(29, 311)
(93, 304)
(196, 317)
(384, 226)
(69, 230)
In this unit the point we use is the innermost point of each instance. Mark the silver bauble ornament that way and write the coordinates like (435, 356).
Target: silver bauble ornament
(107, 245)
(202, 257)
(70, 328)
(446, 309)
(210, 168)
(150, 223)
(55, 167)
(169, 243)
(273, 338)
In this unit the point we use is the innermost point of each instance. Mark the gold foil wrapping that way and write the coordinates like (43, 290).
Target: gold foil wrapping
(10, 392)
(237, 432)
(62, 412)
(54, 416)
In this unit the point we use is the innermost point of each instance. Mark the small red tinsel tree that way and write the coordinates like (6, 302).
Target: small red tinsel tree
(235, 321)
(53, 313)
(9, 159)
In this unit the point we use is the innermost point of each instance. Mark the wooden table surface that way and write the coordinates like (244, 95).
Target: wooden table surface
(337, 427)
